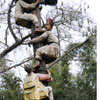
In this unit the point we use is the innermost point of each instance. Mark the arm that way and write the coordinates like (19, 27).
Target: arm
(28, 6)
(50, 79)
(39, 38)
(43, 76)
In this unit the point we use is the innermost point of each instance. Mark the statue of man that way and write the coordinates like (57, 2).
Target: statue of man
(51, 48)
(23, 13)
(33, 88)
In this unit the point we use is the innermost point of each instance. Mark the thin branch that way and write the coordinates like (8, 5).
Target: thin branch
(4, 43)
(6, 36)
(22, 62)
(9, 22)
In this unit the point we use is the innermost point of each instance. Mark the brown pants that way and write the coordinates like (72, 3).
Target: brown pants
(30, 17)
(48, 50)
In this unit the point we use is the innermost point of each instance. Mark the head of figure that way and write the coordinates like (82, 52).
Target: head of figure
(49, 24)
(28, 68)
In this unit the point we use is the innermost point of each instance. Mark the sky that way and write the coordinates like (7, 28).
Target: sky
(92, 3)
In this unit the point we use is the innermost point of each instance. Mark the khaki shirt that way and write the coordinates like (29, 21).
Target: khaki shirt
(48, 35)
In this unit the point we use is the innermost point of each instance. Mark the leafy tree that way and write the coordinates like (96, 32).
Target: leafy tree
(62, 84)
(83, 86)
(10, 88)
(86, 80)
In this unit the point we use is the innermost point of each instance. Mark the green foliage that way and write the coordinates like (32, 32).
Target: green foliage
(83, 87)
(87, 78)
(62, 84)
(10, 88)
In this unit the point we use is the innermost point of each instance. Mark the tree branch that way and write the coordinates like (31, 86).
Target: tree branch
(9, 22)
(67, 52)
(16, 44)
(22, 62)
(56, 61)
(4, 44)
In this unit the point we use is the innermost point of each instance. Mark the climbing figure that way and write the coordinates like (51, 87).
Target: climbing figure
(48, 52)
(33, 88)
(23, 15)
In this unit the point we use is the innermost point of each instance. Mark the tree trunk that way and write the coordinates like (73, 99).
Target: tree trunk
(42, 67)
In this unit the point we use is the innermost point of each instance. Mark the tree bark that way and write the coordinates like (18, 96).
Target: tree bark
(42, 67)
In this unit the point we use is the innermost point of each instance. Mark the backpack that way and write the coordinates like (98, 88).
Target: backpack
(34, 89)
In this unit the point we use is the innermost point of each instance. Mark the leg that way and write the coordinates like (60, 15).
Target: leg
(50, 93)
(27, 18)
(40, 65)
(46, 51)
(38, 58)
(33, 18)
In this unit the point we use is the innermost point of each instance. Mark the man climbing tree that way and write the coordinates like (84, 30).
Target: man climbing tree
(23, 13)
(50, 51)
(33, 88)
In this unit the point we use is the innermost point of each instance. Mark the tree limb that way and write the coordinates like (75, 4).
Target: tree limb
(56, 61)
(68, 51)
(22, 62)
(9, 22)
(16, 44)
